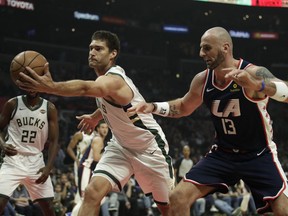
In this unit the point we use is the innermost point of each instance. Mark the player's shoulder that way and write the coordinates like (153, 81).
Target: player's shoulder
(79, 135)
(97, 138)
(116, 71)
(12, 102)
(200, 77)
(51, 107)
(97, 141)
(9, 106)
(252, 67)
(202, 74)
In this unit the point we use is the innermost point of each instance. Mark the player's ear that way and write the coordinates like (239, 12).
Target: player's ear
(226, 47)
(113, 54)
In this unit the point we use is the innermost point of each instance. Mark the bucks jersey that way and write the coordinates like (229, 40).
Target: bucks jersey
(137, 131)
(231, 110)
(28, 127)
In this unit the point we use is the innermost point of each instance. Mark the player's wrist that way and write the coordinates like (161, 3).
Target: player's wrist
(262, 86)
(161, 108)
(281, 93)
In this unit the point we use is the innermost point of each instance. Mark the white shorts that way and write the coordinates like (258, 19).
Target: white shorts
(85, 179)
(23, 169)
(152, 169)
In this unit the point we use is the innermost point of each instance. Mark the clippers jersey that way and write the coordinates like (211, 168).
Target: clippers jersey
(28, 128)
(231, 110)
(135, 132)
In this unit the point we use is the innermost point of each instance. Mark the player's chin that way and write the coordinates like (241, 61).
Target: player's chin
(32, 94)
(92, 63)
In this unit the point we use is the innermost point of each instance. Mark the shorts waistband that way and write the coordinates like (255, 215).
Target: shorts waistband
(233, 150)
(29, 154)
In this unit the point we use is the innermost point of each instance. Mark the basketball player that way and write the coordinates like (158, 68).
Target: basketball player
(89, 160)
(138, 145)
(30, 121)
(80, 141)
(236, 92)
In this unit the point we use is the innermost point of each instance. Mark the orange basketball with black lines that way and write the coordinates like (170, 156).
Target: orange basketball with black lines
(30, 58)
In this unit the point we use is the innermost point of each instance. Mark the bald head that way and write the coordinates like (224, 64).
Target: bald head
(220, 34)
(216, 47)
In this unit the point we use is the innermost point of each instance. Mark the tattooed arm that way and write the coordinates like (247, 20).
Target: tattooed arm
(190, 101)
(179, 107)
(273, 87)
(259, 82)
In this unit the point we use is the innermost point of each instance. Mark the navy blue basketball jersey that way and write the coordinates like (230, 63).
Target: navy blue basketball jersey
(231, 111)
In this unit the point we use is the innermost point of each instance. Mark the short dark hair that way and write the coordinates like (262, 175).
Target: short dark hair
(112, 40)
(100, 122)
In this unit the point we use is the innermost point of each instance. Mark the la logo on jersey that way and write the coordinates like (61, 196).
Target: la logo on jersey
(232, 108)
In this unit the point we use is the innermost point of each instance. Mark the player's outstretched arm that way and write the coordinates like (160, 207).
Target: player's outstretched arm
(178, 107)
(111, 86)
(45, 83)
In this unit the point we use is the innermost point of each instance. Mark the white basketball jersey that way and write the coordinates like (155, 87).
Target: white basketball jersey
(28, 128)
(83, 144)
(136, 131)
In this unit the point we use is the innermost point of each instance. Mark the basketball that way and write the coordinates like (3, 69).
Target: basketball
(30, 58)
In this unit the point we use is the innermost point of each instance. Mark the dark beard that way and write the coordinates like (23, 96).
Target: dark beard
(219, 59)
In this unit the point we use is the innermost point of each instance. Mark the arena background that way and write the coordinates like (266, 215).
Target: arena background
(161, 62)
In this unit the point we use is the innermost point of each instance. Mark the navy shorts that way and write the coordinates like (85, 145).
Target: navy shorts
(260, 170)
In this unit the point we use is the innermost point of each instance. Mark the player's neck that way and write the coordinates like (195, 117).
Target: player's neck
(102, 70)
(32, 101)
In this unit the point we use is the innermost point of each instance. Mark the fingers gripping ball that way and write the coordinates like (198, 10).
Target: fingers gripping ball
(26, 58)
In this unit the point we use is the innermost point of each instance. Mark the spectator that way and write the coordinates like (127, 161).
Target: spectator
(59, 208)
(21, 200)
(68, 192)
(183, 164)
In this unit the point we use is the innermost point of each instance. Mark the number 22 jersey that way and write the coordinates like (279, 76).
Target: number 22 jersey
(28, 127)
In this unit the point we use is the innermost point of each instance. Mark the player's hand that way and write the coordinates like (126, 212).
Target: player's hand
(9, 149)
(128, 204)
(141, 107)
(87, 123)
(45, 172)
(242, 78)
(34, 82)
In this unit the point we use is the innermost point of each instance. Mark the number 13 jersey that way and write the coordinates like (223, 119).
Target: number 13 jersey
(231, 110)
